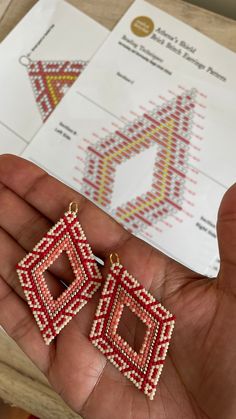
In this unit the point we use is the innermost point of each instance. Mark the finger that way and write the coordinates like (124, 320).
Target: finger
(17, 321)
(28, 228)
(10, 254)
(56, 359)
(20, 220)
(226, 228)
(51, 198)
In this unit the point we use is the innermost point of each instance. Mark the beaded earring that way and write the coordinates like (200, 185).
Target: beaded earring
(142, 368)
(52, 315)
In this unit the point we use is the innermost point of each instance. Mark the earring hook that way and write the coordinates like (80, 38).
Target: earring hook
(112, 255)
(24, 60)
(74, 207)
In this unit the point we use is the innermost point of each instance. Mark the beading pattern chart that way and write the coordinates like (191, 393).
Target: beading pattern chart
(169, 127)
(51, 80)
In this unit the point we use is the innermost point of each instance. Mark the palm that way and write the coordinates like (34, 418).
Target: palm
(198, 380)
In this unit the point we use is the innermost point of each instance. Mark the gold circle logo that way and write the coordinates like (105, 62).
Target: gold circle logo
(142, 26)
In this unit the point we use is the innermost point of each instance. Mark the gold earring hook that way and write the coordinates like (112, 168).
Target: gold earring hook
(74, 207)
(112, 260)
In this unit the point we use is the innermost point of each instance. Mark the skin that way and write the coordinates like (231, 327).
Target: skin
(199, 376)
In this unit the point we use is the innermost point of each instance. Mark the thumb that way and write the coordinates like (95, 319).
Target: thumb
(226, 229)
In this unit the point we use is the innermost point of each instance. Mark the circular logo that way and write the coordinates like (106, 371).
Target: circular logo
(142, 26)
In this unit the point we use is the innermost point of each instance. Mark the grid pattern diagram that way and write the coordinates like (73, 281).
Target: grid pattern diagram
(51, 80)
(169, 127)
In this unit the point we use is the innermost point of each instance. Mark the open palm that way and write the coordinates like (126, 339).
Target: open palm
(199, 377)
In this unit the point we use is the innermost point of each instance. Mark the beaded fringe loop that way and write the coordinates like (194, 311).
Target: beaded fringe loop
(52, 315)
(142, 368)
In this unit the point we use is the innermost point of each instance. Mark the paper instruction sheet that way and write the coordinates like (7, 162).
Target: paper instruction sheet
(148, 133)
(40, 60)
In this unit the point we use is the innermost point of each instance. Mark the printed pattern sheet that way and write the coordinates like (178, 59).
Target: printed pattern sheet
(40, 60)
(144, 131)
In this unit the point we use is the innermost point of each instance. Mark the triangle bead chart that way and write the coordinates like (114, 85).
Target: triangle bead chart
(51, 80)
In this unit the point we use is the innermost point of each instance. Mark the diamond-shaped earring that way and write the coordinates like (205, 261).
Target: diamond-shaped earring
(52, 314)
(143, 368)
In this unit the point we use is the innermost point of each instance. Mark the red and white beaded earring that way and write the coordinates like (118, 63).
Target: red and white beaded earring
(143, 368)
(52, 314)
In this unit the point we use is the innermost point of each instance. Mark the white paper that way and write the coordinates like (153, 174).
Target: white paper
(53, 37)
(147, 133)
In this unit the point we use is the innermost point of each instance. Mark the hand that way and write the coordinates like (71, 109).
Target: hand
(199, 377)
